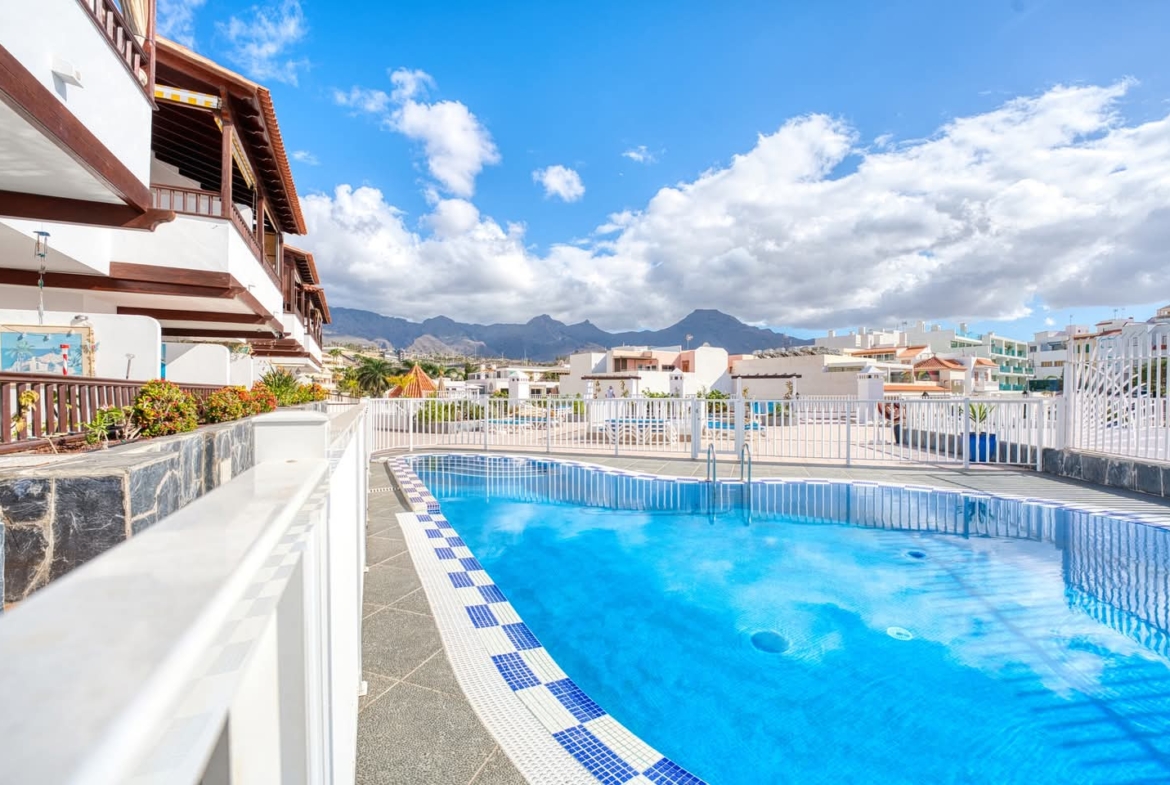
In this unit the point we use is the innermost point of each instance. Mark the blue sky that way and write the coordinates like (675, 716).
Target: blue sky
(686, 87)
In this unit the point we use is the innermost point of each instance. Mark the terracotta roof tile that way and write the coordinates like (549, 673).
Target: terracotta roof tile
(417, 385)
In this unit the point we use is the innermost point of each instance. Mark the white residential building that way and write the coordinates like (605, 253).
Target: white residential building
(1048, 350)
(1012, 371)
(637, 370)
(543, 380)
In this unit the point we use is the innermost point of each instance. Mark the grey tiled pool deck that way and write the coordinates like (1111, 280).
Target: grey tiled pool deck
(416, 727)
(414, 724)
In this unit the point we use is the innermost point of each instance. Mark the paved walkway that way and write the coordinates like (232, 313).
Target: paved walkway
(415, 726)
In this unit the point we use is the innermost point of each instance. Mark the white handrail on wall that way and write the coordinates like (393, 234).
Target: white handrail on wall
(221, 645)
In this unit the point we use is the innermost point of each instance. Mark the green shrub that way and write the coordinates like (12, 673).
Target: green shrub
(432, 411)
(289, 392)
(225, 405)
(162, 408)
(115, 421)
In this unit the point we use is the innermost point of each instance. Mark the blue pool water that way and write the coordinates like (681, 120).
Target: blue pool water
(826, 641)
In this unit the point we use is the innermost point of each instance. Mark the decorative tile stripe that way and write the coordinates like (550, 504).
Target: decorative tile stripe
(491, 593)
(515, 671)
(602, 762)
(608, 751)
(576, 701)
(667, 772)
(460, 580)
(521, 637)
(481, 616)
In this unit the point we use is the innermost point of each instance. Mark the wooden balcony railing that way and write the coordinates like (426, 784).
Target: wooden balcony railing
(190, 201)
(64, 406)
(112, 24)
(246, 233)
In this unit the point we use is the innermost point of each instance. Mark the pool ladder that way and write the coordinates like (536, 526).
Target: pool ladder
(745, 462)
(712, 477)
(745, 478)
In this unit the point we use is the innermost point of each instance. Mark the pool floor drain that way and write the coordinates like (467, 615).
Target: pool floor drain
(771, 642)
(916, 554)
(899, 633)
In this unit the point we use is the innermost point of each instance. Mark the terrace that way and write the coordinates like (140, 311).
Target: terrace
(266, 654)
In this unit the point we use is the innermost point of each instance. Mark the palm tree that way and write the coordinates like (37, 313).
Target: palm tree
(372, 375)
(335, 352)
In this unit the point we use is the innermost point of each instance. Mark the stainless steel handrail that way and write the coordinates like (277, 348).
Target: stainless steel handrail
(745, 459)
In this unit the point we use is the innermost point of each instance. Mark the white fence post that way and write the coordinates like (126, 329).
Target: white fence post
(696, 429)
(849, 433)
(740, 425)
(1041, 427)
(966, 445)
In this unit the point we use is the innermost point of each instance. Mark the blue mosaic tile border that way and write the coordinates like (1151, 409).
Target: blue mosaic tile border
(914, 492)
(606, 749)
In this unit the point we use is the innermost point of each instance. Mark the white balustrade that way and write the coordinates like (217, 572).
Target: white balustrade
(221, 645)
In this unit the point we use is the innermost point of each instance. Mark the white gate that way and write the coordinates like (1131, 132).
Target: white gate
(1116, 389)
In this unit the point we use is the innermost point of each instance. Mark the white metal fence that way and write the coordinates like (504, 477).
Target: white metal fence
(841, 430)
(1117, 392)
(221, 645)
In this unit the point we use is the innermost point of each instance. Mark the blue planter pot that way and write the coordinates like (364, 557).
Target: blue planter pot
(980, 446)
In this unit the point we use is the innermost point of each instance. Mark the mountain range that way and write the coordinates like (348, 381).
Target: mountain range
(544, 338)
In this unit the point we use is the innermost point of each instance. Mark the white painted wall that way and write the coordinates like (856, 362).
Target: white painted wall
(815, 379)
(582, 364)
(109, 103)
(711, 368)
(242, 370)
(195, 243)
(115, 337)
(198, 363)
(72, 249)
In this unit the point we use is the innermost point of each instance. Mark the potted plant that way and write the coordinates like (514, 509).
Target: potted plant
(980, 443)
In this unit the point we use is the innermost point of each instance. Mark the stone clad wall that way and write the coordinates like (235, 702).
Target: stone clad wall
(1112, 471)
(56, 517)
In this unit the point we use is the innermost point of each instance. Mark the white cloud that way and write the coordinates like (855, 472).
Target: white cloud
(640, 154)
(260, 43)
(457, 146)
(408, 84)
(1049, 322)
(175, 19)
(363, 100)
(1052, 198)
(561, 182)
(305, 157)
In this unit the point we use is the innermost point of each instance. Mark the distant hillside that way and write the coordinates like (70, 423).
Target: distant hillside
(545, 338)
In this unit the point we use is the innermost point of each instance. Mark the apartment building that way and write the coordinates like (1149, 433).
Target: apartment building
(144, 204)
(1012, 366)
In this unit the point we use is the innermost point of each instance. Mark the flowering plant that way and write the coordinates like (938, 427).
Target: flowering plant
(162, 408)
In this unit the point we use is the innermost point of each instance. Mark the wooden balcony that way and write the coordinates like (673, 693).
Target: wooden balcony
(209, 204)
(115, 29)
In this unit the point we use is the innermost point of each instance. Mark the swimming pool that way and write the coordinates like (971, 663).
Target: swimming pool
(848, 633)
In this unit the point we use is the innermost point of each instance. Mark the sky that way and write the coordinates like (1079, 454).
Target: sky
(801, 165)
